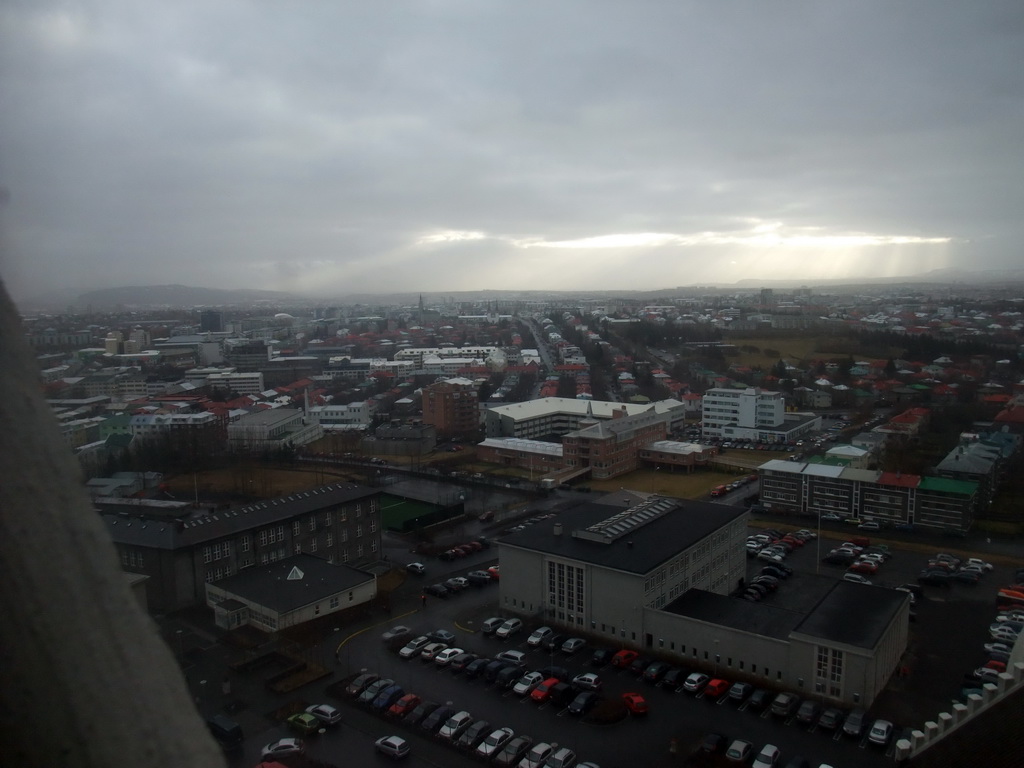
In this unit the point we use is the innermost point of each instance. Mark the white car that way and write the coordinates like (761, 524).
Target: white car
(767, 757)
(494, 742)
(413, 647)
(392, 746)
(430, 651)
(1004, 634)
(325, 713)
(527, 683)
(856, 578)
(880, 733)
(444, 658)
(979, 562)
(539, 635)
(286, 746)
(509, 628)
(998, 647)
(537, 756)
(455, 725)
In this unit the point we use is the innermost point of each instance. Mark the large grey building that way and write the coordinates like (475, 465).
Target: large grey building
(604, 562)
(181, 549)
(656, 574)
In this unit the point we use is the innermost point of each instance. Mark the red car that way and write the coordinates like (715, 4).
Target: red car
(495, 573)
(624, 658)
(863, 566)
(542, 692)
(716, 687)
(635, 703)
(404, 705)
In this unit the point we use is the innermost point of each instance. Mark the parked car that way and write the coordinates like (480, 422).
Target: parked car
(624, 658)
(785, 704)
(303, 723)
(539, 635)
(635, 703)
(395, 633)
(418, 568)
(358, 685)
(542, 692)
(513, 657)
(437, 590)
(494, 742)
(760, 699)
(476, 667)
(854, 725)
(387, 697)
(455, 725)
(432, 723)
(478, 578)
(537, 756)
(716, 688)
(325, 713)
(739, 751)
(739, 692)
(767, 757)
(673, 679)
(583, 702)
(808, 712)
(283, 747)
(370, 692)
(445, 657)
(442, 636)
(404, 705)
(413, 647)
(880, 733)
(430, 651)
(509, 628)
(655, 671)
(514, 751)
(587, 681)
(474, 734)
(695, 682)
(561, 758)
(490, 626)
(830, 719)
(573, 645)
(393, 746)
(602, 657)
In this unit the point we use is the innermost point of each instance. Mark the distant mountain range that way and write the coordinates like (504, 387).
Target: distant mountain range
(183, 296)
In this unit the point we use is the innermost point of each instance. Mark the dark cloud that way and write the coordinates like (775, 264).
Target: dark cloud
(281, 146)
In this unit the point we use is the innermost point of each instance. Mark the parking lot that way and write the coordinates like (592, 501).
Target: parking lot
(946, 642)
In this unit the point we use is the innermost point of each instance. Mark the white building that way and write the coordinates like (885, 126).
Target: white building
(752, 414)
(341, 416)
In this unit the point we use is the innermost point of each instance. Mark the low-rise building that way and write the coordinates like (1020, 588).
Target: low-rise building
(287, 593)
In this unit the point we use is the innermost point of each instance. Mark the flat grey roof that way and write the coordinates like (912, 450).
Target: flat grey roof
(817, 606)
(853, 614)
(646, 546)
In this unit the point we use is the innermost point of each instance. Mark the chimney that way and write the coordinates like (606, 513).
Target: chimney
(558, 529)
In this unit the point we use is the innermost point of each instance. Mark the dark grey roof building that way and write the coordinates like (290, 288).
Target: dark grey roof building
(289, 592)
(181, 549)
(656, 574)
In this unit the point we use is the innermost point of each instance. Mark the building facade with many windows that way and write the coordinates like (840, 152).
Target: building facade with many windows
(891, 498)
(181, 549)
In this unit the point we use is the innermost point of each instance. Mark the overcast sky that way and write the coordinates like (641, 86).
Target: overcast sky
(344, 146)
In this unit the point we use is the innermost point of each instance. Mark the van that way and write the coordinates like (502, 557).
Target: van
(562, 694)
(507, 677)
(226, 731)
